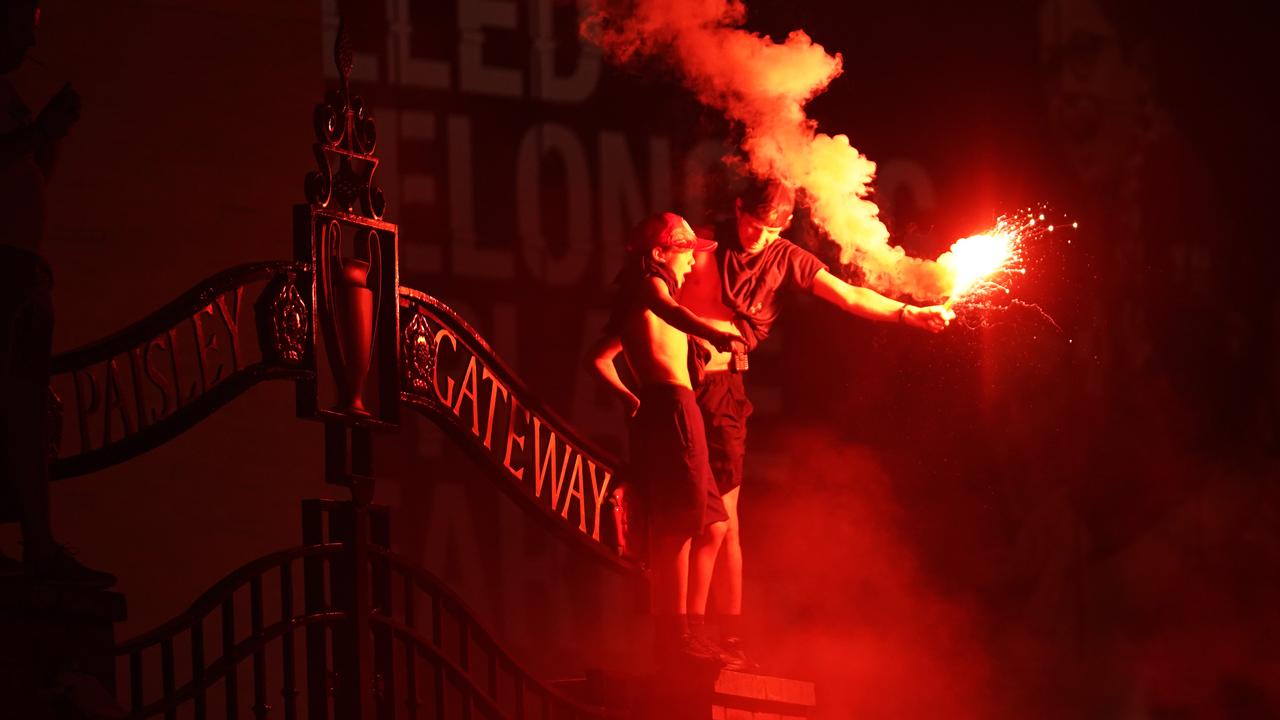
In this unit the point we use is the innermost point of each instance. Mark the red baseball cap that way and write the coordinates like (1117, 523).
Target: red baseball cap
(667, 230)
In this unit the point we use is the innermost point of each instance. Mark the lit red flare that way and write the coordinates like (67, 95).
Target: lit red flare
(975, 258)
(982, 263)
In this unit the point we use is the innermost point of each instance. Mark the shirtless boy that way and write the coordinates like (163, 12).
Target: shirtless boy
(669, 462)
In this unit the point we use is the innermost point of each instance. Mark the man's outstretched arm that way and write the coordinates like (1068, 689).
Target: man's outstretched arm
(867, 303)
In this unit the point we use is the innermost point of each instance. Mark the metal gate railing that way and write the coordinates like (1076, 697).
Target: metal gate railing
(380, 638)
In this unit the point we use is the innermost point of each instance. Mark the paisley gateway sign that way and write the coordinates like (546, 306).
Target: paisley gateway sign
(152, 380)
(137, 388)
(146, 384)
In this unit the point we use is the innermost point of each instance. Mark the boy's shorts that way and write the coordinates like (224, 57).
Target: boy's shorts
(669, 462)
(725, 409)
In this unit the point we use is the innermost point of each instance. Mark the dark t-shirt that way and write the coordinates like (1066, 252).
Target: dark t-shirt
(751, 283)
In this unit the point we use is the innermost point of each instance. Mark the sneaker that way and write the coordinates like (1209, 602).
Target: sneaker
(736, 657)
(706, 636)
(58, 566)
(691, 649)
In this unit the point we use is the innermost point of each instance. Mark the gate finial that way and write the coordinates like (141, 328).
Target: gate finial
(347, 136)
(343, 57)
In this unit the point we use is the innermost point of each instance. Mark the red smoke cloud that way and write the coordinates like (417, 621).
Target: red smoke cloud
(838, 594)
(763, 86)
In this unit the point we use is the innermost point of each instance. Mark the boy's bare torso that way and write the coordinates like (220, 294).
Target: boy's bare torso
(656, 352)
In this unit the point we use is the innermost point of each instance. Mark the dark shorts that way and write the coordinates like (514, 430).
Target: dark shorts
(669, 462)
(722, 398)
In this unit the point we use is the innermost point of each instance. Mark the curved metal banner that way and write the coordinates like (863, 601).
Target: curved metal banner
(451, 375)
(136, 389)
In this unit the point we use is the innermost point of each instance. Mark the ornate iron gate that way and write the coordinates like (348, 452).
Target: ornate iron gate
(356, 632)
(339, 626)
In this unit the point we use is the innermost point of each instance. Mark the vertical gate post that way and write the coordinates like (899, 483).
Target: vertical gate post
(349, 577)
(383, 657)
(354, 308)
(317, 677)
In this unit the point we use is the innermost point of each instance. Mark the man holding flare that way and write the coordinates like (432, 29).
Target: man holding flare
(740, 289)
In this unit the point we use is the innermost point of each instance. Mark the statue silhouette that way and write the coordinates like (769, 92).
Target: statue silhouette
(28, 147)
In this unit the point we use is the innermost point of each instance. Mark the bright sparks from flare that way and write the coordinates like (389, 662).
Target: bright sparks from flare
(982, 265)
(977, 257)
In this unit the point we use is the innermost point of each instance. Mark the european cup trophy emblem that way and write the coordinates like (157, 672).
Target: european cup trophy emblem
(350, 285)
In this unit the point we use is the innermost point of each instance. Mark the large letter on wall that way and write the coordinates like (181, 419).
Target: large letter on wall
(468, 258)
(547, 85)
(540, 141)
(473, 74)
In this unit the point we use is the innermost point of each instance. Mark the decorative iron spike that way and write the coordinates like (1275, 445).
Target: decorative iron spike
(343, 56)
(346, 135)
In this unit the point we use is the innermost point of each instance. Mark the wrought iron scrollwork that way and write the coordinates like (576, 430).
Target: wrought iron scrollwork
(346, 137)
